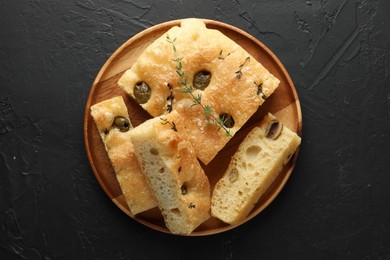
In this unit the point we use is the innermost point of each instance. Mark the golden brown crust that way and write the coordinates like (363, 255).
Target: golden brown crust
(233, 89)
(207, 139)
(121, 154)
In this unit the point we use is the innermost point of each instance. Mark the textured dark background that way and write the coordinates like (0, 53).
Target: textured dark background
(336, 204)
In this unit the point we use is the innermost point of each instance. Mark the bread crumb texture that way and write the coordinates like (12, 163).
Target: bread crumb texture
(256, 164)
(174, 174)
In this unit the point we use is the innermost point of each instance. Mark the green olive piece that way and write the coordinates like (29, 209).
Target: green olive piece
(153, 151)
(201, 79)
(227, 120)
(121, 123)
(233, 175)
(142, 92)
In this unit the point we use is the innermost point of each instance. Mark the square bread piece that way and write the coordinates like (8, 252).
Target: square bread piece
(121, 153)
(174, 174)
(226, 77)
(256, 164)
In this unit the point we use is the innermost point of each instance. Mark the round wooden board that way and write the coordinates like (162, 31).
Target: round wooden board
(283, 103)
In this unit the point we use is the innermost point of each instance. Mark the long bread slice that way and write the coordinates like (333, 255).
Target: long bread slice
(173, 173)
(121, 153)
(256, 164)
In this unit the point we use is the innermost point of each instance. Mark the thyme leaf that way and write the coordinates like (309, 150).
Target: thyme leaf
(197, 100)
(220, 56)
(207, 110)
(172, 41)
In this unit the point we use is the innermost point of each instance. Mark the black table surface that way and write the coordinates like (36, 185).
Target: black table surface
(336, 204)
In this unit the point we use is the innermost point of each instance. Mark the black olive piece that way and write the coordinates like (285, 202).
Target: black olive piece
(233, 175)
(142, 92)
(121, 123)
(201, 79)
(183, 189)
(227, 120)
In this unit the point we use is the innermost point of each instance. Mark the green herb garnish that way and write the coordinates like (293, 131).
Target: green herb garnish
(239, 71)
(220, 56)
(171, 123)
(197, 100)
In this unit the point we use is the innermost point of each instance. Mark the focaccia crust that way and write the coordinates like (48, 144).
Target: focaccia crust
(238, 86)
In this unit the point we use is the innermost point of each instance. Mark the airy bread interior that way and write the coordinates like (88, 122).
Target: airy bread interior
(256, 164)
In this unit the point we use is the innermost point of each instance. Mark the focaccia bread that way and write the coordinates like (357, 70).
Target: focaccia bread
(222, 78)
(174, 174)
(114, 126)
(256, 164)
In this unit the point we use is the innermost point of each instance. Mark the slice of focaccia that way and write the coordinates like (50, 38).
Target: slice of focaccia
(174, 174)
(114, 126)
(256, 164)
(205, 76)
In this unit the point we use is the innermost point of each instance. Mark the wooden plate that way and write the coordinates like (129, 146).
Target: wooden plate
(284, 103)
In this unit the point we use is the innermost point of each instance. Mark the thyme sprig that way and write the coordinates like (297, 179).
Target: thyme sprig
(207, 110)
(171, 123)
(239, 71)
(197, 99)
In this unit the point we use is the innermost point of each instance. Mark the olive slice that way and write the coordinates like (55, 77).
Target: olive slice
(233, 175)
(153, 151)
(273, 129)
(227, 120)
(121, 123)
(142, 92)
(202, 79)
(183, 189)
